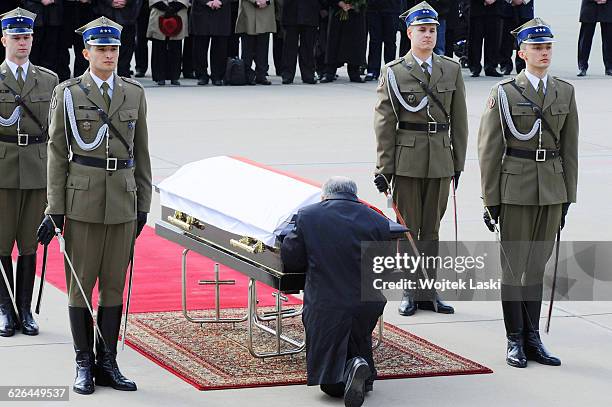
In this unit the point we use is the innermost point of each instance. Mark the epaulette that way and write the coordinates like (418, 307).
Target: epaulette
(563, 80)
(504, 81)
(394, 62)
(449, 59)
(132, 81)
(70, 82)
(46, 70)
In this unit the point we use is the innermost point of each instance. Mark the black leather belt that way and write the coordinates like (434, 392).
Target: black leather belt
(429, 127)
(24, 139)
(537, 155)
(109, 164)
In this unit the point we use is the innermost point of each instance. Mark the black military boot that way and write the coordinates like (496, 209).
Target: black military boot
(81, 325)
(8, 322)
(407, 305)
(513, 319)
(107, 371)
(26, 271)
(515, 353)
(534, 348)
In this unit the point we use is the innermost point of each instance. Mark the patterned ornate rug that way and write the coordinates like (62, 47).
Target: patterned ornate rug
(215, 356)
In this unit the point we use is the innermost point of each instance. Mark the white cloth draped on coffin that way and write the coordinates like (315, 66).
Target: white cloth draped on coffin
(236, 196)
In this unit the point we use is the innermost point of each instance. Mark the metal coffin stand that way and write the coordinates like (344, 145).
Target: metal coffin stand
(253, 259)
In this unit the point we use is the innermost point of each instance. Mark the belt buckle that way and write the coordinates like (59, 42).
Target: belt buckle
(110, 167)
(20, 137)
(432, 127)
(540, 155)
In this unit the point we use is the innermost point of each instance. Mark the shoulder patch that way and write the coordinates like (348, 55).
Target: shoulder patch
(46, 70)
(132, 81)
(395, 62)
(70, 82)
(449, 59)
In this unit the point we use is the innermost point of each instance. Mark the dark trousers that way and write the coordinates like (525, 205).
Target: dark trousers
(233, 44)
(382, 28)
(321, 46)
(75, 15)
(585, 40)
(166, 60)
(255, 48)
(508, 44)
(404, 42)
(218, 56)
(450, 35)
(47, 40)
(353, 70)
(142, 49)
(278, 46)
(487, 29)
(299, 40)
(126, 50)
(187, 61)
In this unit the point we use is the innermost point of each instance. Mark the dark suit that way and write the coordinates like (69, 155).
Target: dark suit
(326, 243)
(513, 17)
(6, 5)
(47, 32)
(76, 14)
(382, 17)
(592, 13)
(485, 26)
(209, 26)
(127, 17)
(300, 20)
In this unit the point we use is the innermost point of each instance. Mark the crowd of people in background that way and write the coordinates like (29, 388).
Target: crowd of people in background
(195, 38)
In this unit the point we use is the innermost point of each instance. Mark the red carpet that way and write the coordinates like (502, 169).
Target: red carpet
(157, 278)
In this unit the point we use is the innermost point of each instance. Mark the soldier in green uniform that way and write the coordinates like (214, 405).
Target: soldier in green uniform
(100, 182)
(421, 130)
(528, 152)
(25, 94)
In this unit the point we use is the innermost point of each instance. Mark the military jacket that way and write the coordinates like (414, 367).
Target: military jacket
(523, 181)
(25, 167)
(91, 194)
(421, 154)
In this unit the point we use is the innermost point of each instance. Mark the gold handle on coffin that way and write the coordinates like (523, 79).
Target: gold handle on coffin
(184, 221)
(248, 244)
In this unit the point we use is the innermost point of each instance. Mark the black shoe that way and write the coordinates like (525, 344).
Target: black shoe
(582, 72)
(175, 82)
(535, 350)
(81, 325)
(370, 77)
(161, 83)
(333, 390)
(8, 320)
(217, 82)
(263, 81)
(475, 74)
(356, 372)
(436, 305)
(83, 381)
(609, 72)
(357, 79)
(515, 353)
(328, 78)
(203, 81)
(507, 69)
(287, 81)
(26, 271)
(407, 306)
(494, 73)
(369, 386)
(107, 370)
(309, 81)
(139, 74)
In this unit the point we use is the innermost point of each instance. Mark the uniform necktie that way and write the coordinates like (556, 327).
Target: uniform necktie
(425, 67)
(20, 80)
(105, 94)
(541, 91)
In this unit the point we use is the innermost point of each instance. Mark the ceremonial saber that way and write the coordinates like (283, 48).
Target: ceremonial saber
(129, 296)
(8, 287)
(62, 247)
(454, 184)
(554, 283)
(42, 279)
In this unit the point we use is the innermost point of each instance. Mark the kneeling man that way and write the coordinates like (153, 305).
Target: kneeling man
(326, 244)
